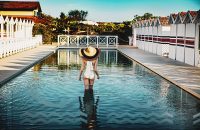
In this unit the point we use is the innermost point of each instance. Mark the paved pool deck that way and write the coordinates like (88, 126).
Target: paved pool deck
(14, 65)
(184, 76)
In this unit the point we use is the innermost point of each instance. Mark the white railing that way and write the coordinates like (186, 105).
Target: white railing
(86, 40)
(16, 35)
(14, 45)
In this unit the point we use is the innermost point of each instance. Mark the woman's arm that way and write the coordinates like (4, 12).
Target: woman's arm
(82, 68)
(95, 68)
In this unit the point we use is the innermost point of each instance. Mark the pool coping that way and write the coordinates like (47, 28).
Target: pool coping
(20, 71)
(185, 88)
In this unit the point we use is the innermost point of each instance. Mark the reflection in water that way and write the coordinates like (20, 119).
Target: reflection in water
(46, 97)
(88, 109)
(71, 57)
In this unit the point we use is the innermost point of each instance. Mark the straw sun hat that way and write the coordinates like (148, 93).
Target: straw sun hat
(89, 53)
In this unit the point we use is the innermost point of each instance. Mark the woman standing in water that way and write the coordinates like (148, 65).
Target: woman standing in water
(89, 57)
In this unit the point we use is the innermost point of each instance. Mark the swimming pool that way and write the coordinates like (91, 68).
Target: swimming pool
(127, 96)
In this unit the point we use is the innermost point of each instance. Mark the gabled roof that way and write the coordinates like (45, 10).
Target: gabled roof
(180, 18)
(193, 14)
(149, 22)
(141, 23)
(136, 25)
(172, 18)
(19, 6)
(145, 23)
(190, 16)
(153, 22)
(197, 18)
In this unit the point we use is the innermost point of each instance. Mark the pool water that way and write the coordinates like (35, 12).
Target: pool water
(127, 96)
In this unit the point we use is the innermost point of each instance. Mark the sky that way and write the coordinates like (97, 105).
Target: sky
(117, 10)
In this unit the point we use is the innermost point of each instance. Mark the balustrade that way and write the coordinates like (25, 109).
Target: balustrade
(16, 36)
(86, 40)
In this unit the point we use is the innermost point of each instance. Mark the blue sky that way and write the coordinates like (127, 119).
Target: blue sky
(118, 10)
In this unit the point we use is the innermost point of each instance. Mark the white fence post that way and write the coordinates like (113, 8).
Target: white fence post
(16, 36)
(107, 41)
(68, 40)
(116, 41)
(77, 44)
(97, 41)
(87, 40)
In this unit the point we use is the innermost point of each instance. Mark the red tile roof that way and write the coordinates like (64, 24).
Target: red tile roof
(19, 6)
(174, 16)
(183, 14)
(193, 14)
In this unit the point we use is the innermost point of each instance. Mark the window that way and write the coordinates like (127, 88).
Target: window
(35, 13)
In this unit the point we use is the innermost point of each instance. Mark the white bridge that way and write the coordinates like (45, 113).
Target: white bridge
(71, 41)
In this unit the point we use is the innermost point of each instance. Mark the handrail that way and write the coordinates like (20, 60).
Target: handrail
(88, 40)
(10, 46)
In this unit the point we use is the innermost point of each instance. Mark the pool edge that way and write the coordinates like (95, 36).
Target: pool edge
(185, 88)
(3, 82)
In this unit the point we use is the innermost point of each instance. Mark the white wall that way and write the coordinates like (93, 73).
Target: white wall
(150, 43)
(180, 49)
(154, 46)
(189, 52)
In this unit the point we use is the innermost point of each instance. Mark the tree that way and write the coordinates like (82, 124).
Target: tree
(45, 25)
(77, 15)
(147, 16)
(41, 29)
(83, 15)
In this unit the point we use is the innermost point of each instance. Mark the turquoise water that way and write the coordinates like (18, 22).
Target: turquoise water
(127, 96)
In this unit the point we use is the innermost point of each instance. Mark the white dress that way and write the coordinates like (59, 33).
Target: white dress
(89, 71)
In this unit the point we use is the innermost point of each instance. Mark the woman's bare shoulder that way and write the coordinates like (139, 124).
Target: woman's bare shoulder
(83, 61)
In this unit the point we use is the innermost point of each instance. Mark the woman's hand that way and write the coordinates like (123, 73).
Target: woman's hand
(79, 78)
(98, 77)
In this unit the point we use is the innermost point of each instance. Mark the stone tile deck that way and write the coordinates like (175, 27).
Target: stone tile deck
(13, 65)
(184, 76)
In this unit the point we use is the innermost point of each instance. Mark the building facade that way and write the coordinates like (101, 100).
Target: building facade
(20, 8)
(16, 24)
(176, 36)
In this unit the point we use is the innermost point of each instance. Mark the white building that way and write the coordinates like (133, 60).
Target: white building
(152, 35)
(176, 36)
(184, 37)
(16, 24)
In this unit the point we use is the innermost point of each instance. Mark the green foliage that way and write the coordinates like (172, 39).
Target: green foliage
(146, 16)
(77, 15)
(70, 23)
(41, 29)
